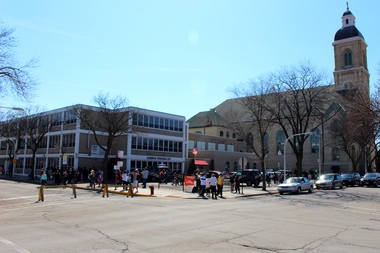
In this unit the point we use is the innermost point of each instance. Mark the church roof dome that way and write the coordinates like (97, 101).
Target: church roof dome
(348, 29)
(347, 32)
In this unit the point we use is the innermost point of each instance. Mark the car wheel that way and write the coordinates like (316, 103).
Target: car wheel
(298, 190)
(311, 189)
(317, 187)
(281, 193)
(332, 186)
(341, 186)
(375, 184)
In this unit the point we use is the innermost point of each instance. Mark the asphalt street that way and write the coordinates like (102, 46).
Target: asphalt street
(341, 220)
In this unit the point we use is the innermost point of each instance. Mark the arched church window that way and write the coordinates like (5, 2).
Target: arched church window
(348, 58)
(315, 141)
(280, 140)
(249, 142)
(347, 21)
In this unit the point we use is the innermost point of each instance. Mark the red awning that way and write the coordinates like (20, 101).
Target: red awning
(200, 163)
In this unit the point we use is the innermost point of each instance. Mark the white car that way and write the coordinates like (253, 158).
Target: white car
(296, 185)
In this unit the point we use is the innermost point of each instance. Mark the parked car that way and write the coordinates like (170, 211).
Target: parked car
(370, 179)
(250, 177)
(351, 179)
(215, 172)
(295, 185)
(329, 181)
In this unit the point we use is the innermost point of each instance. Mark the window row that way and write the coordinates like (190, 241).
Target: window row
(68, 141)
(141, 143)
(57, 120)
(157, 122)
(280, 141)
(201, 145)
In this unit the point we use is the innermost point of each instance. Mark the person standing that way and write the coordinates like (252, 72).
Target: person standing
(203, 184)
(213, 183)
(237, 184)
(92, 179)
(232, 183)
(43, 177)
(145, 175)
(220, 184)
(124, 178)
(135, 175)
(57, 177)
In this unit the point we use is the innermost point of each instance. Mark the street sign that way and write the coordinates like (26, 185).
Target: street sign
(243, 162)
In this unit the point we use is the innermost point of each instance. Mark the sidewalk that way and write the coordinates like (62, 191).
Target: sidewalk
(162, 190)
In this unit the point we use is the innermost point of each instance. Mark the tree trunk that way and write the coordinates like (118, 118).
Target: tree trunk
(264, 177)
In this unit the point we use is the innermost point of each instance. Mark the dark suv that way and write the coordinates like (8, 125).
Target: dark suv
(371, 179)
(351, 179)
(250, 177)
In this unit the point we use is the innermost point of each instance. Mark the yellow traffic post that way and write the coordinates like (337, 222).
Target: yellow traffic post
(41, 194)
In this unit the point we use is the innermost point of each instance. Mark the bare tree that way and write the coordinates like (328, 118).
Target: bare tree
(110, 120)
(9, 130)
(301, 99)
(250, 119)
(32, 127)
(15, 78)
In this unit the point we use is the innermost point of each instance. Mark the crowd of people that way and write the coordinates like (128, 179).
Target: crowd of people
(213, 185)
(94, 177)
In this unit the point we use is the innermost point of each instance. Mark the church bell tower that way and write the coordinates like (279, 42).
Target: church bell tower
(350, 53)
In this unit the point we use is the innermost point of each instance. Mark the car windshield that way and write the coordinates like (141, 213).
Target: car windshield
(347, 175)
(370, 175)
(292, 180)
(327, 177)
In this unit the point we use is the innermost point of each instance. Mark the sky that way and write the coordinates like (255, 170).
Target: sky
(175, 56)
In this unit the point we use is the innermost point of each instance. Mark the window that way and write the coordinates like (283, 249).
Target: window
(353, 152)
(249, 142)
(280, 141)
(201, 145)
(315, 141)
(191, 145)
(43, 143)
(134, 143)
(335, 154)
(3, 145)
(56, 119)
(70, 118)
(348, 58)
(221, 147)
(234, 135)
(211, 146)
(198, 132)
(227, 134)
(227, 165)
(230, 148)
(68, 140)
(54, 141)
(144, 143)
(221, 133)
(266, 143)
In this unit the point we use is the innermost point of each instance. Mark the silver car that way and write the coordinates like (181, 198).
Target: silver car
(296, 185)
(329, 181)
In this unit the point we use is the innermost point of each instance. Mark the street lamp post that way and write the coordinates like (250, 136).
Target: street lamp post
(20, 110)
(307, 133)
